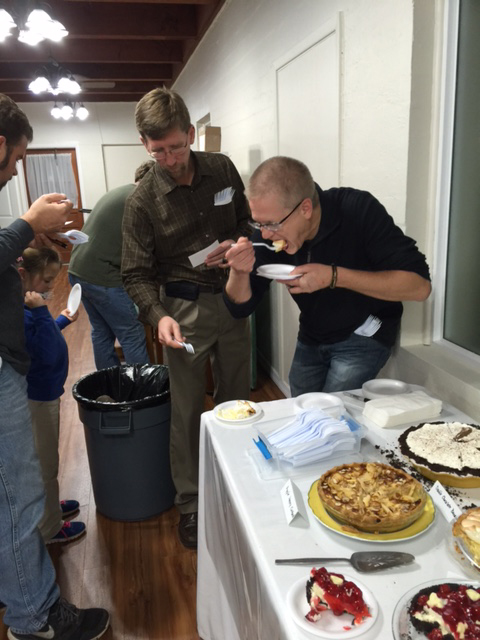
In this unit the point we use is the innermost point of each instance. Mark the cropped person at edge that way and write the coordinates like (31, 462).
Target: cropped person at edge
(96, 266)
(27, 585)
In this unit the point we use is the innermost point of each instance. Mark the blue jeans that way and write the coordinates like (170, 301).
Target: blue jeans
(112, 314)
(27, 576)
(338, 366)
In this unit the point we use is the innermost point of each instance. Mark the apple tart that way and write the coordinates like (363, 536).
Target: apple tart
(372, 496)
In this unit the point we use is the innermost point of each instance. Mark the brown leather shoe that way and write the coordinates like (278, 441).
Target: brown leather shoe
(187, 529)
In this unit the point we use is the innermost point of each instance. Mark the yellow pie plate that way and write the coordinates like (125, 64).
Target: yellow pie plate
(418, 527)
(464, 482)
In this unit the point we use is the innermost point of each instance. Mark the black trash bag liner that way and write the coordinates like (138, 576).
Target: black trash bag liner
(124, 388)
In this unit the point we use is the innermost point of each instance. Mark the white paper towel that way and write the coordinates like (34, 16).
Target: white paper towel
(410, 407)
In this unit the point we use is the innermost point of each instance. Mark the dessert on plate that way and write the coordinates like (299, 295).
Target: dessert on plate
(239, 411)
(467, 527)
(447, 611)
(445, 451)
(332, 591)
(372, 496)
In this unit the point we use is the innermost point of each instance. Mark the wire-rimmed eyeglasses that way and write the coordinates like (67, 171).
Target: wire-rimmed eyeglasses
(273, 226)
(174, 151)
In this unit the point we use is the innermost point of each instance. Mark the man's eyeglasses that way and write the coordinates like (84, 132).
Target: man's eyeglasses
(174, 151)
(273, 226)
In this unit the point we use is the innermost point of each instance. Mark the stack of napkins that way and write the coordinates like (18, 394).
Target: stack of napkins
(312, 435)
(409, 407)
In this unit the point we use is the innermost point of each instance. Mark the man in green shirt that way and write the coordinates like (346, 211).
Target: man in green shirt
(95, 265)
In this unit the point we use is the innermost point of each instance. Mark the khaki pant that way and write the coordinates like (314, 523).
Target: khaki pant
(215, 334)
(46, 431)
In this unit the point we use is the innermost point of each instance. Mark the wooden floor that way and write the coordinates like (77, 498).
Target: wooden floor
(138, 571)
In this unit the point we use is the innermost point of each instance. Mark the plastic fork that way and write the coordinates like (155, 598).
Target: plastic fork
(262, 244)
(187, 346)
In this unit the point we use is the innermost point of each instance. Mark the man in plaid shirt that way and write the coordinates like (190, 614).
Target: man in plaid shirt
(188, 202)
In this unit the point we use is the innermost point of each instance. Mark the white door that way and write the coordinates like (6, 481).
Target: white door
(308, 81)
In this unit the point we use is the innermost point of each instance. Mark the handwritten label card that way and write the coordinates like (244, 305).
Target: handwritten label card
(442, 500)
(293, 504)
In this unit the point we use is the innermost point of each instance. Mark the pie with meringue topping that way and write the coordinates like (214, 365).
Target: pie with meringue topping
(372, 496)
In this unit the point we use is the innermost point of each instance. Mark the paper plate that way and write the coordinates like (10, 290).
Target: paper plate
(277, 271)
(421, 525)
(328, 402)
(329, 625)
(74, 299)
(74, 236)
(402, 628)
(381, 387)
(241, 421)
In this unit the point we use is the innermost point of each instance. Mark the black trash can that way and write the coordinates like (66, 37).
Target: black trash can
(125, 412)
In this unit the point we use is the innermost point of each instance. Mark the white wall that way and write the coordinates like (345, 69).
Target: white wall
(107, 124)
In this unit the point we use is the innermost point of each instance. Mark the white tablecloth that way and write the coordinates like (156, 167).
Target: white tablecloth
(241, 593)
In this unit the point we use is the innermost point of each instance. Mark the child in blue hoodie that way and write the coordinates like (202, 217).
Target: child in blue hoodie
(47, 374)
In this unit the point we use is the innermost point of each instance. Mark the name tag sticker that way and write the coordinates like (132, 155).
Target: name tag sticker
(442, 500)
(293, 505)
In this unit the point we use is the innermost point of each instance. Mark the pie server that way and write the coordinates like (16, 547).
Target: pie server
(363, 561)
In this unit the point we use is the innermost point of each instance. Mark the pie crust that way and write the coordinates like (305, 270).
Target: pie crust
(445, 451)
(372, 496)
(467, 527)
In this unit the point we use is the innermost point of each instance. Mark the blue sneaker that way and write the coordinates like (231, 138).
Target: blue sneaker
(69, 531)
(69, 507)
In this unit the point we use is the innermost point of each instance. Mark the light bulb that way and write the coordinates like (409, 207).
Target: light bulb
(82, 113)
(68, 85)
(39, 85)
(67, 112)
(39, 26)
(56, 112)
(6, 24)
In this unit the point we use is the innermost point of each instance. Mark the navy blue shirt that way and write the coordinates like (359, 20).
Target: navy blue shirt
(355, 232)
(48, 353)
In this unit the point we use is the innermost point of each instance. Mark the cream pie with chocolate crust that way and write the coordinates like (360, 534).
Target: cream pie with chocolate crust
(371, 496)
(445, 451)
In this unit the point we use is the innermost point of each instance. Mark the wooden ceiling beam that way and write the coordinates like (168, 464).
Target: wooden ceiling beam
(133, 51)
(134, 2)
(99, 20)
(113, 72)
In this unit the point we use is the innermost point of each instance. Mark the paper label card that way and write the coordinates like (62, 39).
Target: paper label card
(442, 500)
(293, 504)
(198, 258)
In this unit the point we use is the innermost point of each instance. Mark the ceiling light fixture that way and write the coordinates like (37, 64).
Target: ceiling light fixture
(55, 79)
(33, 22)
(69, 110)
(56, 111)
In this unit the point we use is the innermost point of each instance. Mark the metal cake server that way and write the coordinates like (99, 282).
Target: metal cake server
(362, 561)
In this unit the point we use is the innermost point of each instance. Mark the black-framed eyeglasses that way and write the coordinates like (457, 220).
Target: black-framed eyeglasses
(174, 151)
(273, 226)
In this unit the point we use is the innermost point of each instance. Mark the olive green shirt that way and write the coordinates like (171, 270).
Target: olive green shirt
(165, 223)
(98, 261)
